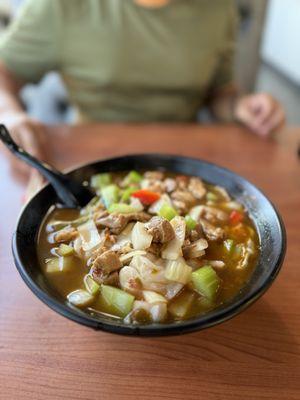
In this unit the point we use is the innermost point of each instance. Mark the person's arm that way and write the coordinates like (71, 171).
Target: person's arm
(260, 112)
(28, 50)
(26, 131)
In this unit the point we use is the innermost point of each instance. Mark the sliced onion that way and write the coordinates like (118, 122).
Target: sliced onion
(140, 238)
(131, 254)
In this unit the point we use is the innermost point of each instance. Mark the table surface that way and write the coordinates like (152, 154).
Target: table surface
(256, 355)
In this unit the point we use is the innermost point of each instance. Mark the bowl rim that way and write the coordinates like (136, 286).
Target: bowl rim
(204, 321)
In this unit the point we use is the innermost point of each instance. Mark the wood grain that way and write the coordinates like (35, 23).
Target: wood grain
(256, 355)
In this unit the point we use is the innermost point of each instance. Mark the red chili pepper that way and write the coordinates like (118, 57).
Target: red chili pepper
(146, 196)
(235, 217)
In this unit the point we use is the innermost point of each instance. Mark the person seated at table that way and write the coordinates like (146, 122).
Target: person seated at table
(129, 61)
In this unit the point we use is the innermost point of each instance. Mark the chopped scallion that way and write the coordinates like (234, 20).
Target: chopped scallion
(167, 212)
(190, 222)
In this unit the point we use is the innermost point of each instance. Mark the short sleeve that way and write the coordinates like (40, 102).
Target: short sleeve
(29, 47)
(224, 73)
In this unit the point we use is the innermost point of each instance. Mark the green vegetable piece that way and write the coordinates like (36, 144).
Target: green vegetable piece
(91, 286)
(167, 212)
(99, 181)
(110, 195)
(116, 300)
(190, 222)
(206, 304)
(206, 281)
(127, 193)
(132, 177)
(65, 250)
(59, 264)
(211, 196)
(121, 208)
(229, 245)
(180, 307)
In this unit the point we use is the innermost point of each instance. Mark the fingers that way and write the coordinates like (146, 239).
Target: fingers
(261, 113)
(28, 135)
(263, 107)
(273, 123)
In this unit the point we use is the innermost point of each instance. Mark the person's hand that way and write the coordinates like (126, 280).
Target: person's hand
(260, 112)
(29, 134)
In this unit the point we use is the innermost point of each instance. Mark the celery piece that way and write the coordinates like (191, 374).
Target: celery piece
(132, 177)
(65, 250)
(206, 281)
(190, 222)
(229, 245)
(91, 286)
(167, 212)
(110, 195)
(127, 193)
(121, 208)
(116, 300)
(59, 264)
(80, 298)
(211, 196)
(99, 181)
(178, 271)
(180, 307)
(205, 303)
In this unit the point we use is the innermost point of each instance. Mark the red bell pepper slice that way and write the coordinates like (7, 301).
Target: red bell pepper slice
(235, 217)
(147, 197)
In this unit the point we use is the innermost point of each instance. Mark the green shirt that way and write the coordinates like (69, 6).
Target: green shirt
(124, 62)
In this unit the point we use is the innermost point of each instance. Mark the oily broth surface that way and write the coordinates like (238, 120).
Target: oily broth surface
(232, 280)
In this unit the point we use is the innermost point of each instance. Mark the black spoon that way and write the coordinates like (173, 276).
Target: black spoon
(72, 194)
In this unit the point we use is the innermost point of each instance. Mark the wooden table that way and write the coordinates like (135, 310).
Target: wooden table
(254, 356)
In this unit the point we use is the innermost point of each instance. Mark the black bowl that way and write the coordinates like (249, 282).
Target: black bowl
(268, 223)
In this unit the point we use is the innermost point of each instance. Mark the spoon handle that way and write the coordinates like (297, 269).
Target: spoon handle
(60, 182)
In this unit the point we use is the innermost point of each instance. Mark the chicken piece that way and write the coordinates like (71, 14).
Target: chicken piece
(212, 214)
(197, 188)
(195, 249)
(107, 241)
(161, 230)
(183, 200)
(182, 181)
(104, 265)
(117, 222)
(108, 261)
(154, 249)
(112, 279)
(66, 235)
(100, 214)
(212, 232)
(155, 175)
(196, 233)
(153, 185)
(170, 185)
